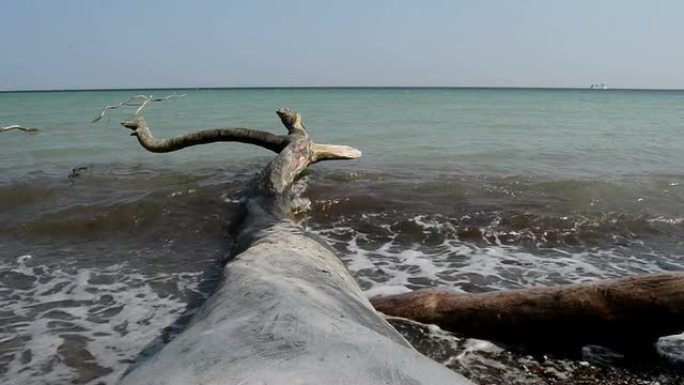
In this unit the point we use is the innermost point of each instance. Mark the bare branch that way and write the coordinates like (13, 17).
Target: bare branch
(18, 127)
(296, 150)
(139, 109)
(114, 107)
(141, 130)
(130, 102)
(272, 142)
(333, 152)
(173, 95)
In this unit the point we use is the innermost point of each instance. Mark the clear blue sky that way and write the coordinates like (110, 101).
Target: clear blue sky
(67, 44)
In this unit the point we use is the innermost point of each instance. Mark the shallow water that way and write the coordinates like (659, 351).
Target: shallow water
(470, 189)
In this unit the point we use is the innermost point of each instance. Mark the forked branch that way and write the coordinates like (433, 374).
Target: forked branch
(141, 99)
(296, 150)
(18, 127)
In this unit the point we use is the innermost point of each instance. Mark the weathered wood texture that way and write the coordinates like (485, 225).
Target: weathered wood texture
(629, 313)
(288, 311)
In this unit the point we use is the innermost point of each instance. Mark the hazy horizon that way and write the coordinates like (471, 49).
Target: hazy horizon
(336, 87)
(95, 45)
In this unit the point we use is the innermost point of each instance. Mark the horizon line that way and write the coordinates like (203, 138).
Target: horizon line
(332, 87)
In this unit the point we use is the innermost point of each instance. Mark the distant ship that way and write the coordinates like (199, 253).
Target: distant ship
(601, 86)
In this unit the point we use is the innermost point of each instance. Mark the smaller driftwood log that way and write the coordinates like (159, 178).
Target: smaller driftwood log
(627, 314)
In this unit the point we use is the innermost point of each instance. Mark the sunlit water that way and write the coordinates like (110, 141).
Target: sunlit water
(474, 190)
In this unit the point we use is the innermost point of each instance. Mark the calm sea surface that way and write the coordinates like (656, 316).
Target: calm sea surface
(103, 245)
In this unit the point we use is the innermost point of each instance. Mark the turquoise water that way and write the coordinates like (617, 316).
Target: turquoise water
(574, 133)
(471, 189)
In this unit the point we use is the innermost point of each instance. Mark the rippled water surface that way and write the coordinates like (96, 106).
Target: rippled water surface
(103, 245)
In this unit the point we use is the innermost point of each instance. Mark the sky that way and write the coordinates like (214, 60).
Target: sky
(96, 44)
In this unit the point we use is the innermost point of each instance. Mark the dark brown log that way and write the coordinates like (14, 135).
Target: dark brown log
(625, 314)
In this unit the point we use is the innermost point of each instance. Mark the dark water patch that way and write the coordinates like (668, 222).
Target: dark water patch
(16, 280)
(448, 193)
(12, 196)
(110, 205)
(155, 222)
(74, 353)
(522, 211)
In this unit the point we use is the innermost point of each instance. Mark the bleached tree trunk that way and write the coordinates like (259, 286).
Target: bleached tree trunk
(288, 311)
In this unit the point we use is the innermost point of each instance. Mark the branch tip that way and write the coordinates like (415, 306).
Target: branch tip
(130, 124)
(130, 103)
(28, 130)
(291, 120)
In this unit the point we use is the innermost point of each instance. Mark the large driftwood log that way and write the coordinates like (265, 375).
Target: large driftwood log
(627, 314)
(288, 311)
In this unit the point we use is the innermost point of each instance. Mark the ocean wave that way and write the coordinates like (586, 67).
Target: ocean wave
(110, 203)
(127, 244)
(392, 253)
(81, 325)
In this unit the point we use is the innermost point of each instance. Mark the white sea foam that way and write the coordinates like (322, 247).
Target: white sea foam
(118, 311)
(394, 268)
(667, 220)
(672, 347)
(115, 311)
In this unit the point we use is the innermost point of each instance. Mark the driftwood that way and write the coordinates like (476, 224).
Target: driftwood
(288, 311)
(627, 314)
(132, 102)
(19, 128)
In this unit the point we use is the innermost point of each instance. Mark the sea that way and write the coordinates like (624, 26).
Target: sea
(104, 246)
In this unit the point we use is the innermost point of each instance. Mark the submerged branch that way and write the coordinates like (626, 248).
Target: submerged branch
(18, 127)
(130, 103)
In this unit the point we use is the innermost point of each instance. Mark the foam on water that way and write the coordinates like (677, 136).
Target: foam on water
(387, 256)
(81, 325)
(393, 267)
